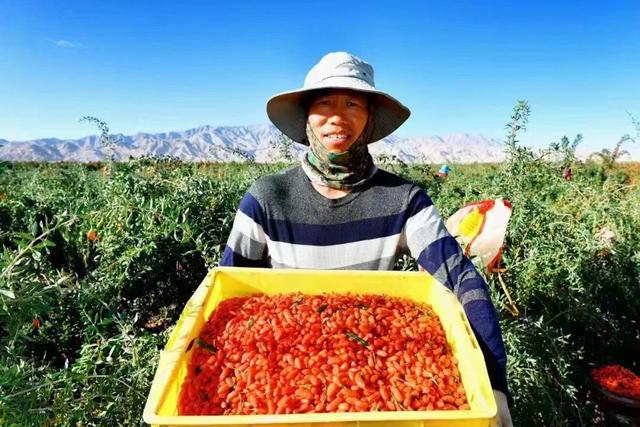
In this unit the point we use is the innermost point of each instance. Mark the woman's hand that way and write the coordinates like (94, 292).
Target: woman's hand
(503, 417)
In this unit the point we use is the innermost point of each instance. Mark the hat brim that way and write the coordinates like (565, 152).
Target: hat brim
(287, 111)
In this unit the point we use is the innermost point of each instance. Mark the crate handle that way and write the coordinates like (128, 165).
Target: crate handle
(186, 311)
(191, 308)
(467, 327)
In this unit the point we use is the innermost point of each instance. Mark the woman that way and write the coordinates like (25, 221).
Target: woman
(338, 211)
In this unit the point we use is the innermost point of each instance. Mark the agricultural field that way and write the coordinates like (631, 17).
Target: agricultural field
(99, 259)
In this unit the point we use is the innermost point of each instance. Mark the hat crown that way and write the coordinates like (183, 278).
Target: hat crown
(339, 65)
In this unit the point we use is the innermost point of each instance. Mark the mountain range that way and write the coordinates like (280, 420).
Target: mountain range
(238, 143)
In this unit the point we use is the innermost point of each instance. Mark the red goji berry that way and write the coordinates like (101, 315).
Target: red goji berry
(284, 354)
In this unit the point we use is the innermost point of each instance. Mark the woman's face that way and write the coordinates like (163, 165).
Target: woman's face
(338, 117)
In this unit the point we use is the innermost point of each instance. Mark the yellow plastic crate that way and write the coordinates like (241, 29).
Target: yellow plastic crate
(226, 282)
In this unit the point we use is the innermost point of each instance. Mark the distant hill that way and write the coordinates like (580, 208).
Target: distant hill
(223, 143)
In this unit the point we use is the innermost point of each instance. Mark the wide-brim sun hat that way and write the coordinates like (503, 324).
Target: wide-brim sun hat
(336, 70)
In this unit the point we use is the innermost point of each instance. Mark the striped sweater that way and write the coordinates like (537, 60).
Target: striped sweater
(283, 222)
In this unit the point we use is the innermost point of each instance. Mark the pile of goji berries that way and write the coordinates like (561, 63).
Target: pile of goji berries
(295, 353)
(618, 380)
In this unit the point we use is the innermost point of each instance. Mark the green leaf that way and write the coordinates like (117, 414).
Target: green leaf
(106, 322)
(206, 346)
(48, 243)
(357, 339)
(26, 236)
(8, 293)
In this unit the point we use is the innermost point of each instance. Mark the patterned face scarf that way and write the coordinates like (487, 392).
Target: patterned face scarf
(343, 171)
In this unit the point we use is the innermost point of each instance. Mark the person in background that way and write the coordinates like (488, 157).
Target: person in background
(444, 171)
(338, 210)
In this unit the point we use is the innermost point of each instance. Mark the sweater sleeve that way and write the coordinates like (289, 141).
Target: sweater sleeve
(429, 242)
(247, 243)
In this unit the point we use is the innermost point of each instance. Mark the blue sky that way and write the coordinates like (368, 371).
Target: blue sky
(459, 66)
